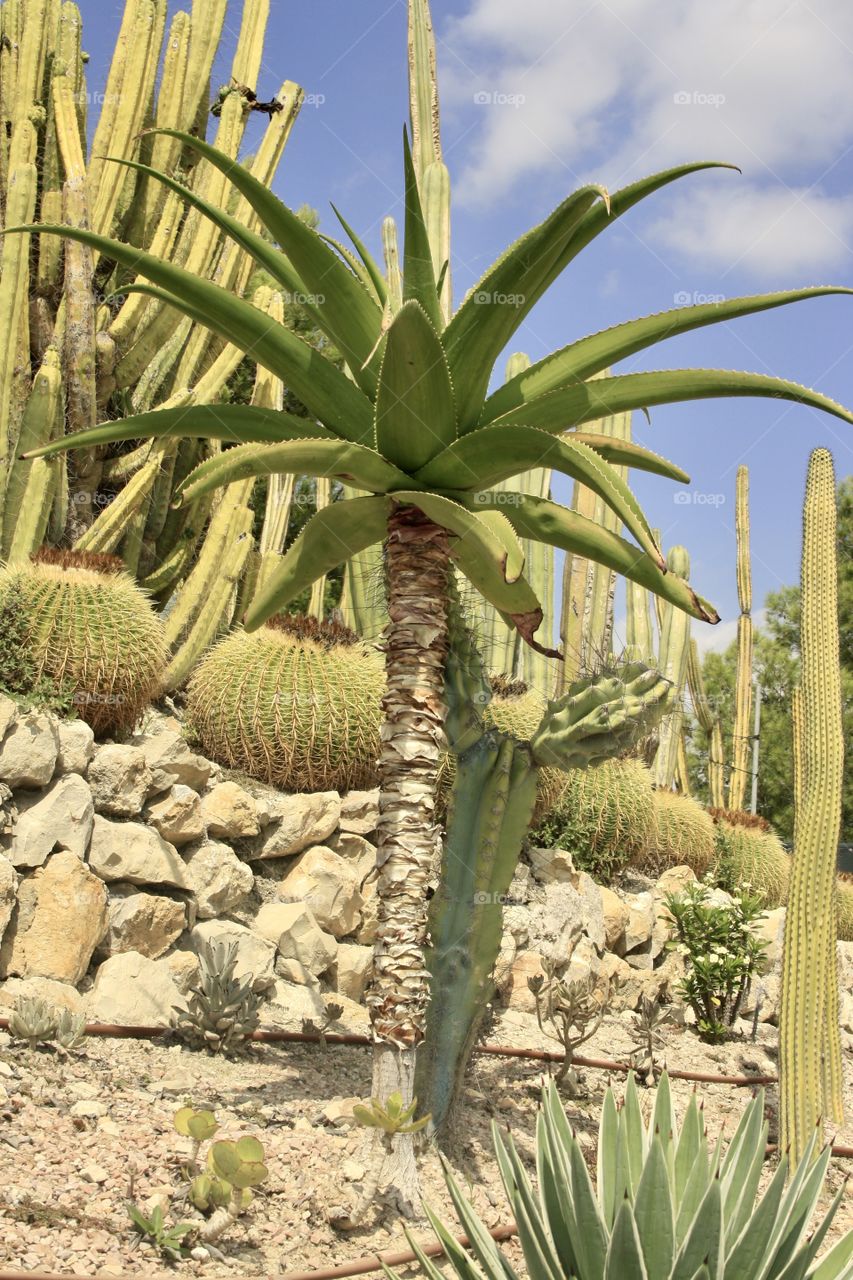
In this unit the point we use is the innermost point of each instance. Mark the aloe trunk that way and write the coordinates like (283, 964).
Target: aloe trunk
(809, 1039)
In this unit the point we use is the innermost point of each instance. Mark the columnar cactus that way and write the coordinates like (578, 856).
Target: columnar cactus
(710, 722)
(742, 734)
(672, 660)
(809, 1049)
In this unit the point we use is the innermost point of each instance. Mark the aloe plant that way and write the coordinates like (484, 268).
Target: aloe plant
(663, 1206)
(412, 424)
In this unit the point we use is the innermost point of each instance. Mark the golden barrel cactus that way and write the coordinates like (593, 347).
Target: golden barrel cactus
(295, 704)
(77, 630)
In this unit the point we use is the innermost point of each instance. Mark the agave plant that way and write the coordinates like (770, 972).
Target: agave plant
(411, 425)
(663, 1206)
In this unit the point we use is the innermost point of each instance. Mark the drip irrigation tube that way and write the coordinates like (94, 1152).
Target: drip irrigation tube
(496, 1050)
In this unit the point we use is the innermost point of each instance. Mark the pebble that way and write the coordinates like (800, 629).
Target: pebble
(353, 1171)
(94, 1173)
(89, 1107)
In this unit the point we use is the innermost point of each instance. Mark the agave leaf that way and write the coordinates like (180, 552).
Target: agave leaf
(608, 1136)
(635, 1132)
(532, 1232)
(703, 1240)
(548, 522)
(624, 1255)
(485, 458)
(330, 537)
(419, 283)
(836, 1264)
(584, 401)
(353, 464)
(415, 414)
(371, 265)
(691, 1145)
(591, 1242)
(456, 1254)
(356, 266)
(555, 1190)
(796, 1214)
(350, 317)
(749, 1253)
(233, 423)
(598, 351)
(319, 385)
(480, 1241)
(499, 302)
(653, 1212)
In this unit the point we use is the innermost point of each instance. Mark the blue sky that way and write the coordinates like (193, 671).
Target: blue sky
(541, 96)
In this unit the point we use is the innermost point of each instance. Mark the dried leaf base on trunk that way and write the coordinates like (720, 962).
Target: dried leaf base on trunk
(417, 558)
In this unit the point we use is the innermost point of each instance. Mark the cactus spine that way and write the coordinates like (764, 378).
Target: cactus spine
(742, 733)
(809, 1049)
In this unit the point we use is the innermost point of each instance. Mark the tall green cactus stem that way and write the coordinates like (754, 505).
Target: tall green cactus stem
(710, 723)
(809, 1050)
(742, 733)
(639, 636)
(674, 650)
(491, 808)
(432, 174)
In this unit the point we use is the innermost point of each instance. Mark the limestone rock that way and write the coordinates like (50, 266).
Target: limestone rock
(177, 815)
(616, 915)
(527, 964)
(8, 892)
(328, 884)
(230, 811)
(217, 877)
(290, 1003)
(120, 780)
(171, 762)
(367, 930)
(550, 865)
(62, 995)
(641, 922)
(360, 811)
(61, 918)
(293, 929)
(76, 746)
(8, 713)
(674, 880)
(143, 922)
(304, 820)
(133, 852)
(634, 984)
(353, 968)
(184, 967)
(132, 990)
(561, 910)
(255, 955)
(293, 971)
(29, 751)
(505, 961)
(60, 819)
(358, 851)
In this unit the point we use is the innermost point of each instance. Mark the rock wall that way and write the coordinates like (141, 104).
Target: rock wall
(116, 860)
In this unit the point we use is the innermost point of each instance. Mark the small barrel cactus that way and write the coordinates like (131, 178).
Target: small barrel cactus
(750, 853)
(605, 815)
(296, 704)
(78, 631)
(684, 835)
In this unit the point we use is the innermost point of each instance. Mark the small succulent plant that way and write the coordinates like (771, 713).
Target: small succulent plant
(169, 1240)
(332, 1013)
(70, 1031)
(223, 1010)
(569, 1011)
(34, 1021)
(198, 1126)
(648, 1024)
(225, 1187)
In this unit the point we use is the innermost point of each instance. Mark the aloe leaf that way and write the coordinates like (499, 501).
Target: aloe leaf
(319, 385)
(351, 317)
(499, 302)
(330, 537)
(265, 254)
(584, 401)
(233, 423)
(370, 264)
(485, 458)
(415, 413)
(419, 283)
(626, 453)
(598, 351)
(624, 1255)
(548, 522)
(495, 542)
(352, 464)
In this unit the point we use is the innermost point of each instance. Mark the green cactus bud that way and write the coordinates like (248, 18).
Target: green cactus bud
(598, 717)
(79, 623)
(295, 704)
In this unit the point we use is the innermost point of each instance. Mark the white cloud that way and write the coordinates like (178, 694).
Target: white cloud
(612, 90)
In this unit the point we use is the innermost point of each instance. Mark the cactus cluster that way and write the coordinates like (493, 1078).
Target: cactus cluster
(222, 1009)
(78, 622)
(296, 704)
(749, 856)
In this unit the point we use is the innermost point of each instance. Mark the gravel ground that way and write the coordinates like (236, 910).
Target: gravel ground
(78, 1137)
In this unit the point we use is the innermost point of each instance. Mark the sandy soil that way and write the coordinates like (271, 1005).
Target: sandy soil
(77, 1137)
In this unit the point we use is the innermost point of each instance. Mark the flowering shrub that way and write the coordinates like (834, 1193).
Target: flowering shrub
(722, 954)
